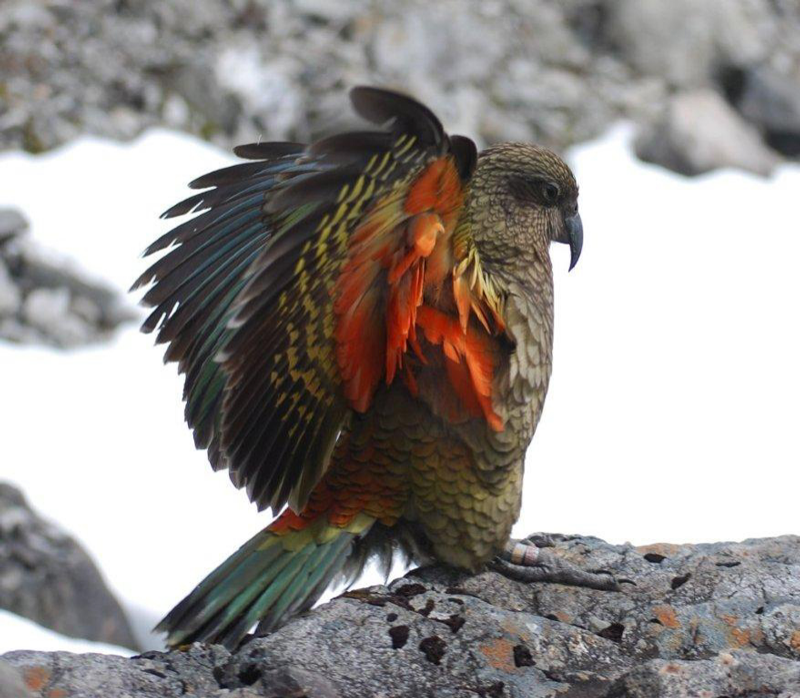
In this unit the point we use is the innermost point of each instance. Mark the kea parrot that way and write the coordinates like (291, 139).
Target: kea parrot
(365, 325)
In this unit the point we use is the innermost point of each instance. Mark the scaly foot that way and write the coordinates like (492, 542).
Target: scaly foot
(527, 561)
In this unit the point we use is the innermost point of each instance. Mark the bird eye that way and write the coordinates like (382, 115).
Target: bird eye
(550, 192)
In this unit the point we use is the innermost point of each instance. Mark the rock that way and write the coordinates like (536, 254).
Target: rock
(656, 38)
(717, 619)
(11, 683)
(700, 132)
(554, 72)
(46, 301)
(557, 72)
(47, 309)
(46, 576)
(150, 675)
(771, 101)
(12, 224)
(737, 673)
(10, 295)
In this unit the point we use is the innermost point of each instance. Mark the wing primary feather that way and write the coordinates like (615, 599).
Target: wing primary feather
(211, 198)
(466, 155)
(227, 175)
(269, 150)
(191, 312)
(187, 284)
(346, 147)
(382, 106)
(187, 251)
(323, 186)
(199, 223)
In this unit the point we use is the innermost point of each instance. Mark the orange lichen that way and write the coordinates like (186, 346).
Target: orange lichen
(36, 677)
(499, 652)
(741, 637)
(513, 629)
(666, 616)
(671, 669)
(665, 549)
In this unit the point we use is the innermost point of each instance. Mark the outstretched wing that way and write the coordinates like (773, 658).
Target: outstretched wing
(301, 290)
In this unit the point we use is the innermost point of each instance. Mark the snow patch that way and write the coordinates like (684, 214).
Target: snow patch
(17, 633)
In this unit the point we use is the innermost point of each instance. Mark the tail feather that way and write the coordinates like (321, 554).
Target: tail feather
(240, 597)
(308, 586)
(268, 601)
(269, 579)
(220, 588)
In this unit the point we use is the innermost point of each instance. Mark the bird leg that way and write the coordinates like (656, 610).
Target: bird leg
(528, 560)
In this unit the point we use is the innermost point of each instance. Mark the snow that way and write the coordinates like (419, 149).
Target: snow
(672, 413)
(18, 633)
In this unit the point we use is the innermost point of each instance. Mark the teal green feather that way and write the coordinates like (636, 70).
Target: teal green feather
(198, 280)
(269, 596)
(263, 582)
(309, 584)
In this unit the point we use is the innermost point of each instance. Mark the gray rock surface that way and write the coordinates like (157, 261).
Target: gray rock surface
(46, 301)
(699, 132)
(46, 576)
(11, 683)
(553, 71)
(701, 620)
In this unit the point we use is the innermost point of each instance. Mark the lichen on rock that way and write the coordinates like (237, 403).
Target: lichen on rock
(721, 618)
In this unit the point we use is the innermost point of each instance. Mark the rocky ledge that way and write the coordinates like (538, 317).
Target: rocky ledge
(701, 620)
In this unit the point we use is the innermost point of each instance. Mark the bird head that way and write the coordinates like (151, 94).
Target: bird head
(530, 198)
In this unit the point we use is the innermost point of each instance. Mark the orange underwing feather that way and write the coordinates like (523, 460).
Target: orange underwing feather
(387, 261)
(403, 247)
(469, 361)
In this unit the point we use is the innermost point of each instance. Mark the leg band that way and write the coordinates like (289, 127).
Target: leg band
(522, 554)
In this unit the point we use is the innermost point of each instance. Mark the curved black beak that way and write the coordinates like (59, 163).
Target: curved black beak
(575, 234)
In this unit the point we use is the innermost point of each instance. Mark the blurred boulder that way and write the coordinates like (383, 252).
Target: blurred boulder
(248, 69)
(700, 132)
(12, 224)
(557, 72)
(701, 620)
(10, 296)
(44, 301)
(46, 576)
(771, 101)
(685, 41)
